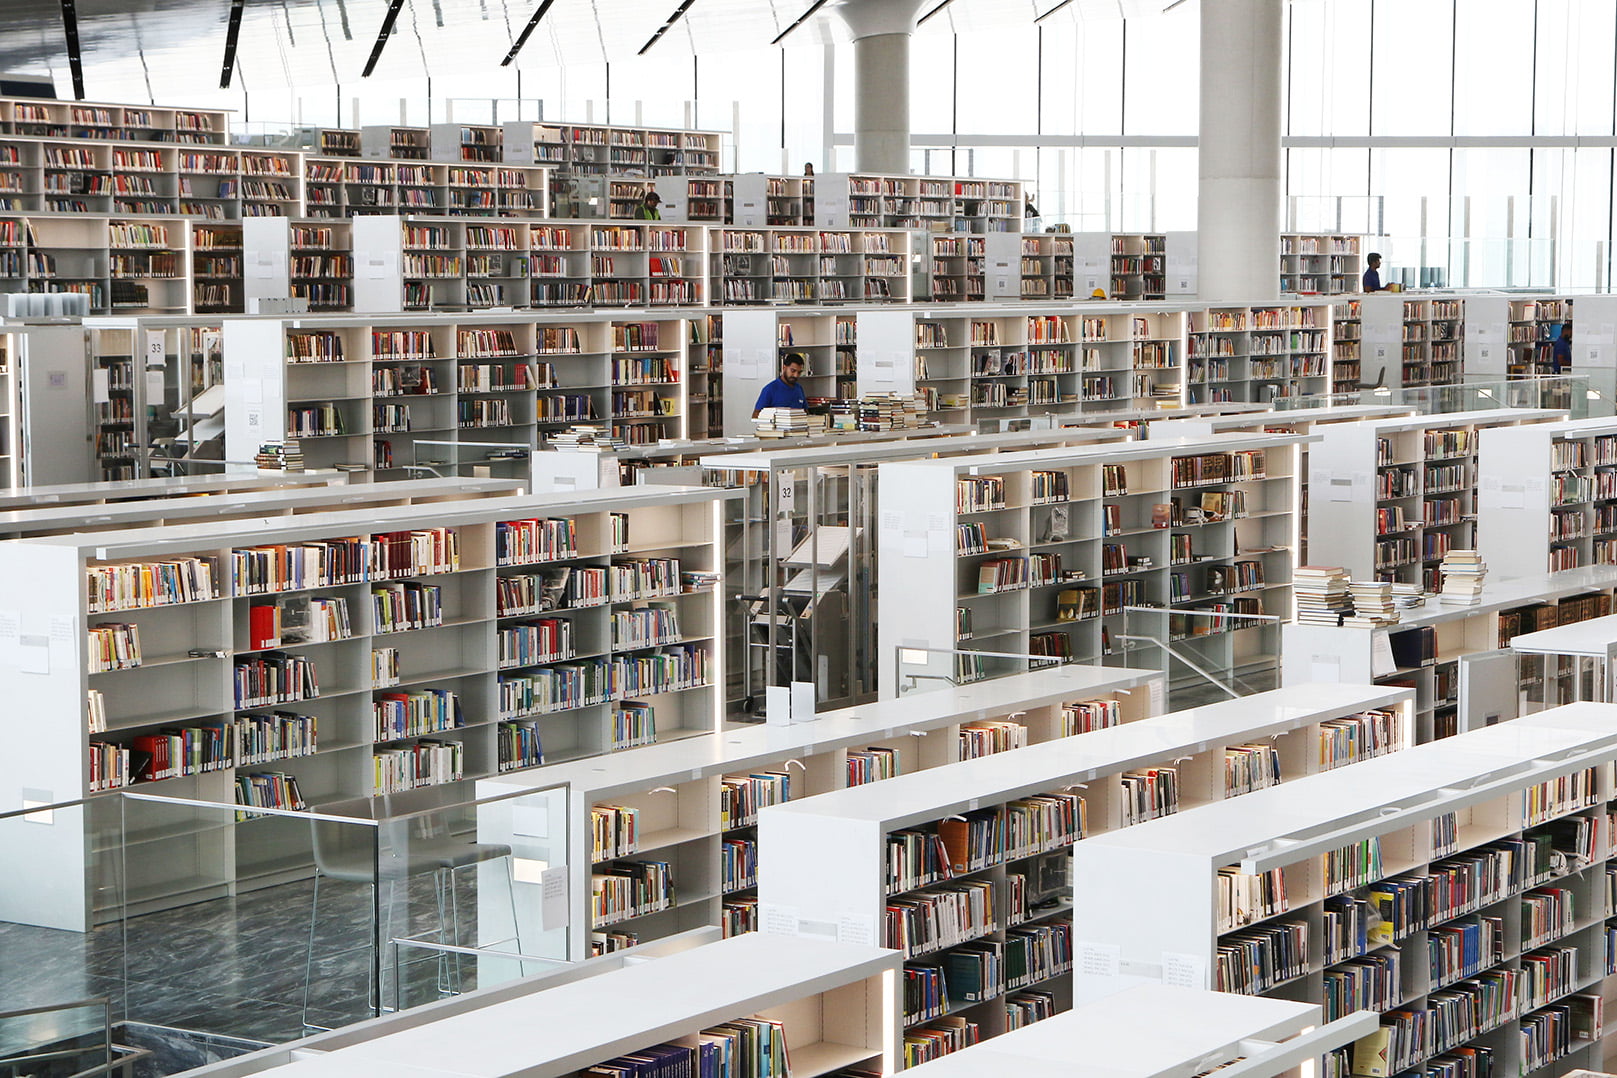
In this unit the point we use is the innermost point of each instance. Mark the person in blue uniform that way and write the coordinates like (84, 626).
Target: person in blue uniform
(785, 391)
(1561, 350)
(1372, 275)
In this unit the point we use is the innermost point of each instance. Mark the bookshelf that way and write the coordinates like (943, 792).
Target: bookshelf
(1390, 497)
(98, 494)
(1456, 657)
(1320, 263)
(999, 362)
(807, 265)
(1124, 1035)
(487, 378)
(1043, 552)
(928, 203)
(482, 687)
(600, 149)
(1237, 886)
(808, 550)
(939, 839)
(11, 470)
(112, 122)
(828, 1007)
(1417, 340)
(1131, 266)
(691, 798)
(178, 503)
(453, 263)
(465, 142)
(402, 143)
(1259, 354)
(1563, 474)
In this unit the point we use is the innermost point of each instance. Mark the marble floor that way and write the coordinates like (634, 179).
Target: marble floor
(234, 967)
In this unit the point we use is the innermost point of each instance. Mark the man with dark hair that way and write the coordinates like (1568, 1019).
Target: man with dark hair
(1372, 276)
(648, 208)
(1561, 350)
(785, 391)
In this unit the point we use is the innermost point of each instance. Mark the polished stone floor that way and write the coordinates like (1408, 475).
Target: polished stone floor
(234, 966)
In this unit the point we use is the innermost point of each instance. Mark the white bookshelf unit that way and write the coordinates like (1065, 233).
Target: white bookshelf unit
(1391, 497)
(966, 849)
(1273, 893)
(752, 266)
(365, 391)
(521, 630)
(1320, 263)
(1258, 354)
(1045, 553)
(1457, 658)
(831, 1007)
(1563, 475)
(1154, 1030)
(694, 804)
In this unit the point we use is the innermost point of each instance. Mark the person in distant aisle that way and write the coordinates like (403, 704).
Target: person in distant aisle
(785, 391)
(647, 210)
(1372, 275)
(1561, 350)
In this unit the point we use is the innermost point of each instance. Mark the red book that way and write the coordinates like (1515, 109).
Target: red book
(264, 627)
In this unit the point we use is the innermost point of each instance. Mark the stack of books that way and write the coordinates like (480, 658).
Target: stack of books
(1408, 596)
(1372, 604)
(1463, 572)
(1322, 594)
(587, 437)
(284, 456)
(787, 423)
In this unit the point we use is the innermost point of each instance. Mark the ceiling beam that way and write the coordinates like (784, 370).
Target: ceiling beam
(678, 14)
(232, 35)
(388, 20)
(522, 38)
(934, 11)
(1052, 11)
(75, 61)
(801, 19)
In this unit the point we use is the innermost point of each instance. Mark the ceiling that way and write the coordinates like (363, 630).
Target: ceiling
(171, 48)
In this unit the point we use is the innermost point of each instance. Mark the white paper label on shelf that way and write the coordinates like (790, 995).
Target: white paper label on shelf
(1341, 488)
(10, 637)
(154, 348)
(1099, 959)
(1184, 970)
(553, 904)
(35, 654)
(1158, 696)
(778, 920)
(1512, 496)
(914, 544)
(1325, 668)
(100, 386)
(154, 387)
(858, 929)
(1381, 661)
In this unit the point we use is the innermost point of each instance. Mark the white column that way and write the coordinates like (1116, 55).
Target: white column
(881, 53)
(1238, 206)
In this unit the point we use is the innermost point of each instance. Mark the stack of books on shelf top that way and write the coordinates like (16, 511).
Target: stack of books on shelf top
(1463, 572)
(884, 411)
(587, 437)
(1373, 605)
(787, 422)
(1322, 594)
(279, 456)
(1408, 596)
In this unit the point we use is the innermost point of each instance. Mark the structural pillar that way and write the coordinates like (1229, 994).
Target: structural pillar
(881, 54)
(1238, 205)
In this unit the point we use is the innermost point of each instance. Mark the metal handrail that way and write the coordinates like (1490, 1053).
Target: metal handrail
(103, 1002)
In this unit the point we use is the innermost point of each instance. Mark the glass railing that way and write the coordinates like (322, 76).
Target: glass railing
(1572, 393)
(1205, 655)
(927, 669)
(264, 923)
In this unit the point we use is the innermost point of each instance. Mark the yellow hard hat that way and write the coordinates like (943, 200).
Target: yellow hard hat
(1099, 293)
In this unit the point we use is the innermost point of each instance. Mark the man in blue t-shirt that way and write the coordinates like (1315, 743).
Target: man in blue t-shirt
(1372, 275)
(1561, 350)
(785, 391)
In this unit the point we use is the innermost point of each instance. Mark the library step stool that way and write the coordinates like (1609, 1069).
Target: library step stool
(400, 848)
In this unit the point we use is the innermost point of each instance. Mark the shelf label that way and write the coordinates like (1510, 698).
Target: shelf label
(553, 904)
(777, 920)
(1184, 970)
(859, 929)
(1099, 959)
